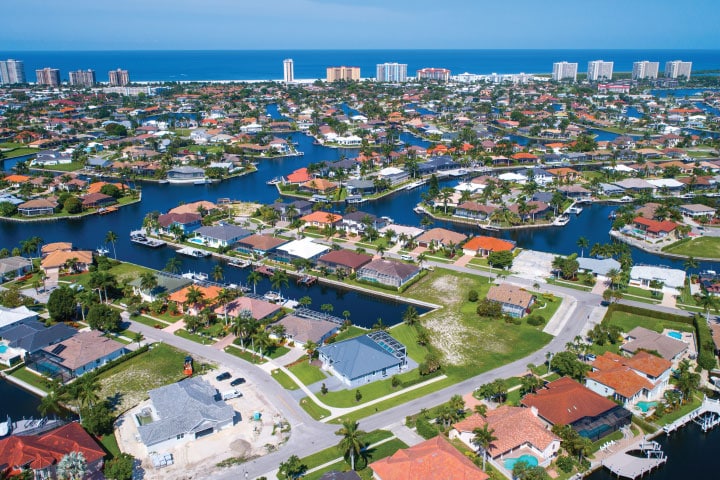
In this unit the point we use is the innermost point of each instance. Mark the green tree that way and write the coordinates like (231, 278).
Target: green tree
(583, 243)
(173, 265)
(98, 419)
(148, 282)
(218, 273)
(102, 317)
(351, 444)
(254, 278)
(72, 205)
(292, 468)
(120, 467)
(61, 304)
(410, 316)
(502, 259)
(483, 438)
(278, 279)
(72, 466)
(111, 237)
(707, 302)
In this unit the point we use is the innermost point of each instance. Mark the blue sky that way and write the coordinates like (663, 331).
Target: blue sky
(357, 24)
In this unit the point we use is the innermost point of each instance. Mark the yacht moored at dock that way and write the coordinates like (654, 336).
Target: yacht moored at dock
(193, 252)
(139, 237)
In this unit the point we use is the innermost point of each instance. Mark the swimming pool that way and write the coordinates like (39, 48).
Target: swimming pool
(510, 462)
(3, 348)
(645, 406)
(197, 240)
(675, 335)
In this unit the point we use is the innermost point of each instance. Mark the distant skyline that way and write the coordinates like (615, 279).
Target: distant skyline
(347, 24)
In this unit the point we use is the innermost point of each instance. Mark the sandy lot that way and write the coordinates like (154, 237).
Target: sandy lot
(533, 265)
(199, 458)
(448, 332)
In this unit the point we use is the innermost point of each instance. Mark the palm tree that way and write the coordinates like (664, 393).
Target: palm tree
(254, 278)
(410, 316)
(310, 348)
(173, 265)
(483, 438)
(49, 404)
(278, 279)
(224, 297)
(351, 443)
(582, 244)
(194, 296)
(72, 466)
(148, 282)
(111, 237)
(421, 258)
(614, 276)
(707, 302)
(218, 273)
(262, 341)
(690, 263)
(138, 337)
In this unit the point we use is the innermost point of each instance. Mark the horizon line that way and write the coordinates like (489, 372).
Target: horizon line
(357, 49)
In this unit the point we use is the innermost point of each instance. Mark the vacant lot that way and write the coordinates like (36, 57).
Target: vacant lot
(707, 247)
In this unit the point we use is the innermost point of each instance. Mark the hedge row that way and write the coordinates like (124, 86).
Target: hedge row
(619, 307)
(425, 429)
(706, 345)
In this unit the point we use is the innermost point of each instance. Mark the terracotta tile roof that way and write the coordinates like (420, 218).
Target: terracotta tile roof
(299, 176)
(58, 258)
(509, 294)
(441, 235)
(193, 207)
(623, 380)
(648, 363)
(209, 293)
(514, 427)
(95, 187)
(653, 226)
(319, 185)
(45, 450)
(346, 258)
(262, 242)
(429, 460)
(321, 217)
(489, 244)
(17, 178)
(565, 401)
(51, 247)
(258, 308)
(84, 348)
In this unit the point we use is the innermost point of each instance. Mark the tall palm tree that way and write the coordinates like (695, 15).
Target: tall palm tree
(111, 237)
(483, 438)
(49, 404)
(351, 443)
(224, 297)
(582, 244)
(261, 341)
(707, 302)
(173, 265)
(254, 278)
(218, 273)
(194, 296)
(690, 263)
(278, 279)
(148, 281)
(614, 276)
(310, 348)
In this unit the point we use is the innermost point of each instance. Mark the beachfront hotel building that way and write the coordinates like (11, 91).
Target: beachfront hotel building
(441, 74)
(678, 69)
(12, 71)
(645, 70)
(391, 72)
(288, 70)
(336, 74)
(564, 71)
(118, 78)
(48, 76)
(83, 78)
(599, 70)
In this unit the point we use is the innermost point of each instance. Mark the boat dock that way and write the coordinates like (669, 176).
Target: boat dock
(265, 270)
(707, 415)
(139, 237)
(624, 465)
(306, 280)
(193, 252)
(239, 263)
(313, 315)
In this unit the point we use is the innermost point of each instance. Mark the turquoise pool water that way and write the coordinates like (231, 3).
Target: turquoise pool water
(645, 406)
(510, 462)
(197, 240)
(3, 348)
(675, 335)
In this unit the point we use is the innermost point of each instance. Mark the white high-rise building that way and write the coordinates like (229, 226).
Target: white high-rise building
(391, 72)
(564, 70)
(645, 70)
(678, 68)
(599, 70)
(12, 71)
(84, 78)
(288, 70)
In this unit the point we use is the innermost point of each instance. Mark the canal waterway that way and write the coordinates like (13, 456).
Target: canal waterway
(16, 402)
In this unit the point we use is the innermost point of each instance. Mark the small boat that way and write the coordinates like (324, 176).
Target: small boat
(193, 252)
(196, 277)
(274, 181)
(102, 251)
(272, 297)
(575, 210)
(142, 239)
(489, 227)
(239, 263)
(613, 215)
(5, 427)
(203, 181)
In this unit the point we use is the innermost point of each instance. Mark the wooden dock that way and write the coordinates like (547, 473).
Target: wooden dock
(624, 465)
(265, 270)
(707, 415)
(306, 280)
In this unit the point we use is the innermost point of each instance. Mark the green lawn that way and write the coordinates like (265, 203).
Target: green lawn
(331, 453)
(351, 332)
(194, 337)
(68, 167)
(245, 355)
(17, 151)
(109, 443)
(33, 379)
(128, 383)
(407, 335)
(277, 351)
(150, 322)
(313, 409)
(707, 247)
(284, 380)
(563, 283)
(683, 410)
(308, 374)
(627, 321)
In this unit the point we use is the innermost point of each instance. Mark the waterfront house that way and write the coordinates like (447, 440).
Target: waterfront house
(12, 267)
(166, 285)
(216, 236)
(436, 164)
(564, 174)
(430, 460)
(597, 266)
(567, 402)
(322, 219)
(388, 272)
(260, 244)
(97, 200)
(515, 301)
(256, 308)
(629, 380)
(203, 207)
(16, 316)
(185, 174)
(355, 222)
(301, 330)
(440, 238)
(46, 158)
(290, 211)
(360, 187)
(394, 175)
(40, 454)
(517, 430)
(697, 210)
(318, 186)
(345, 260)
(539, 176)
(305, 249)
(83, 352)
(75, 260)
(31, 335)
(654, 228)
(186, 222)
(180, 412)
(37, 207)
(537, 209)
(640, 338)
(636, 185)
(298, 176)
(483, 246)
(364, 359)
(399, 230)
(209, 296)
(474, 210)
(610, 189)
(575, 192)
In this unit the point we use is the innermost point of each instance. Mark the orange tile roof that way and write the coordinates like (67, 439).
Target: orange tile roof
(17, 178)
(321, 217)
(514, 427)
(565, 401)
(299, 176)
(58, 258)
(209, 293)
(523, 156)
(644, 362)
(432, 459)
(489, 244)
(319, 184)
(51, 247)
(95, 187)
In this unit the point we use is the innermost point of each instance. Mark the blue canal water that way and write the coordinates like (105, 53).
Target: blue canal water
(267, 64)
(16, 402)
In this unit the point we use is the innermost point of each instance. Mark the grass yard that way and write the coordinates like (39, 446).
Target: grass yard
(128, 383)
(627, 321)
(698, 247)
(407, 335)
(308, 374)
(194, 337)
(150, 322)
(313, 409)
(351, 332)
(33, 379)
(65, 167)
(245, 355)
(109, 443)
(683, 410)
(277, 351)
(331, 453)
(284, 380)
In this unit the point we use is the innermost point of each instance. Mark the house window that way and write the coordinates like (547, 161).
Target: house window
(178, 437)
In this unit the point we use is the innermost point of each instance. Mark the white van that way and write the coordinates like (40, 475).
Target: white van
(231, 394)
(407, 258)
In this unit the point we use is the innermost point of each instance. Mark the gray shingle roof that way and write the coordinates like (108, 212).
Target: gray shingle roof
(358, 356)
(223, 232)
(33, 335)
(185, 407)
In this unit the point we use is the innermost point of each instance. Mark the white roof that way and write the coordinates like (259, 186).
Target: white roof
(512, 177)
(470, 187)
(666, 182)
(8, 316)
(671, 277)
(621, 168)
(390, 171)
(304, 248)
(411, 232)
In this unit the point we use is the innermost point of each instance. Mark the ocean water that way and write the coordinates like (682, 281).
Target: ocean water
(183, 65)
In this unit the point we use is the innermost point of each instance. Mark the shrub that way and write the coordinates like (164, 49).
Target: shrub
(565, 463)
(395, 381)
(535, 320)
(488, 308)
(425, 429)
(473, 296)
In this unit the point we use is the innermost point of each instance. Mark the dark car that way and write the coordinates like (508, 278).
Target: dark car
(223, 376)
(237, 381)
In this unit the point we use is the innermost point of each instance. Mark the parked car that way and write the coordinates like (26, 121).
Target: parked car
(237, 381)
(230, 394)
(223, 376)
